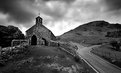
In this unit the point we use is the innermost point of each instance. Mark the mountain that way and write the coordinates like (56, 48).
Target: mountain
(95, 32)
(8, 33)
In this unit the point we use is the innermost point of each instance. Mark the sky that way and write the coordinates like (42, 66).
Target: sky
(58, 15)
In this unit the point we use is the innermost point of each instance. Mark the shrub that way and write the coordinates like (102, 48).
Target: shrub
(77, 59)
(115, 45)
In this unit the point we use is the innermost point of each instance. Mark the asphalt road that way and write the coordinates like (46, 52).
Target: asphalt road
(101, 65)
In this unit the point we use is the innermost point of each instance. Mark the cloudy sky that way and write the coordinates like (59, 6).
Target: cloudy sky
(59, 15)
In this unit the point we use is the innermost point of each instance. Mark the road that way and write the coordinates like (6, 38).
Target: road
(101, 65)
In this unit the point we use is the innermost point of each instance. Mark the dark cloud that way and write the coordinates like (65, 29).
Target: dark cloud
(67, 1)
(18, 13)
(15, 10)
(113, 4)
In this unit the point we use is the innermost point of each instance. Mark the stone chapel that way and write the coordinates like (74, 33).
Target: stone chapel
(39, 34)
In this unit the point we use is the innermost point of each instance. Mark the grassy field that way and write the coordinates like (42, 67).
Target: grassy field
(106, 52)
(43, 59)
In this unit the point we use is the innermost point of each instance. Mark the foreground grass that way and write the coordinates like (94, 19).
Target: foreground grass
(106, 52)
(42, 59)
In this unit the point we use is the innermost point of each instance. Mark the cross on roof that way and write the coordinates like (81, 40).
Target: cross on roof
(39, 13)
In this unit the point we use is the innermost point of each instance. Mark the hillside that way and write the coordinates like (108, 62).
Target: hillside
(8, 33)
(41, 59)
(95, 32)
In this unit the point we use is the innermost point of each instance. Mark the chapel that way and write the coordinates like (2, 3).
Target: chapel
(38, 34)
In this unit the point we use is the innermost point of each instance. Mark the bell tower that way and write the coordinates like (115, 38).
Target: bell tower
(39, 20)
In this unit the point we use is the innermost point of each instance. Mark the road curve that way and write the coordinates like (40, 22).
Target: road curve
(98, 63)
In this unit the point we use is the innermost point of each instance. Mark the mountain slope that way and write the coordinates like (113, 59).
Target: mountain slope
(95, 32)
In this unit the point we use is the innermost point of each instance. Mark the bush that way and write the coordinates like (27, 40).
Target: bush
(77, 59)
(115, 45)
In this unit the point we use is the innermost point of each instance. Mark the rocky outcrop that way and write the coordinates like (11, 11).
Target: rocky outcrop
(8, 33)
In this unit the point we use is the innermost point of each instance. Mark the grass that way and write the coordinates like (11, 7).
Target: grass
(109, 54)
(43, 59)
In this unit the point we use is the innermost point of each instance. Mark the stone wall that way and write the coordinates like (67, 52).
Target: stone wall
(18, 42)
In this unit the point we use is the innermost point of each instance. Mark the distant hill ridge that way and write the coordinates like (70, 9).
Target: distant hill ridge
(93, 32)
(98, 24)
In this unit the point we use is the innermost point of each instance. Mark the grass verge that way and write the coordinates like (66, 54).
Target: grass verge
(108, 54)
